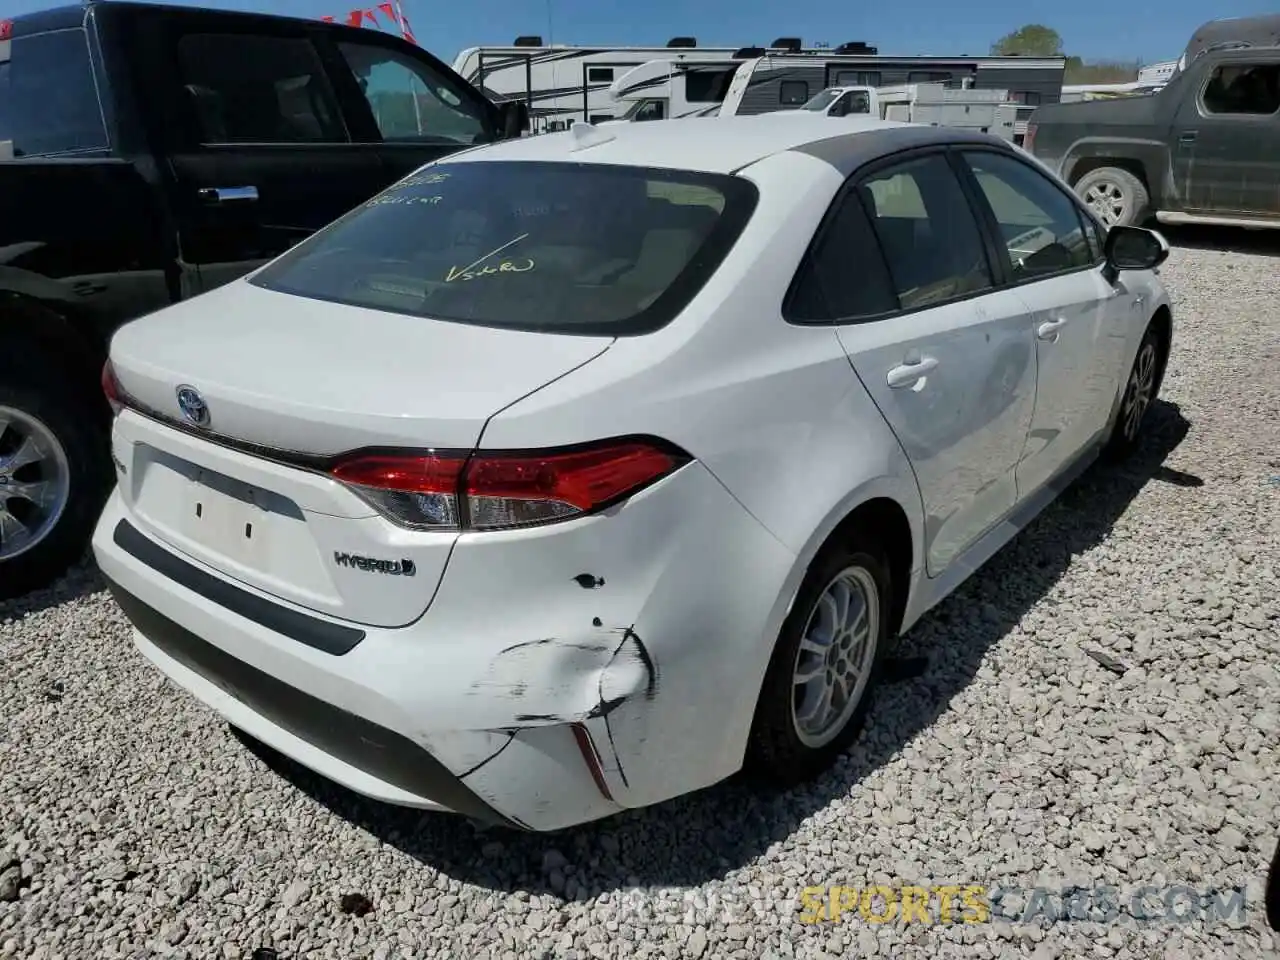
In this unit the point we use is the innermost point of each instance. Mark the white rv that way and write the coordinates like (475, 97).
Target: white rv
(562, 84)
(768, 81)
(666, 89)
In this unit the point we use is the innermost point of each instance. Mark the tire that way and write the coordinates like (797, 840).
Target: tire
(43, 408)
(1118, 197)
(1148, 369)
(779, 751)
(1271, 897)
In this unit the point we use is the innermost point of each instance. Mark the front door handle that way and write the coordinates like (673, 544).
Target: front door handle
(1187, 136)
(909, 374)
(228, 194)
(1049, 329)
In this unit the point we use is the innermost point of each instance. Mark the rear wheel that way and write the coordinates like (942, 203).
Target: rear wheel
(55, 471)
(825, 667)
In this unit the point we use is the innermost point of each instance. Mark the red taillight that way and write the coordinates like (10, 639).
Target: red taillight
(417, 491)
(111, 388)
(6, 29)
(1029, 138)
(497, 490)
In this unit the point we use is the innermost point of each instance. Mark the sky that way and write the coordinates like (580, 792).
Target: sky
(1144, 30)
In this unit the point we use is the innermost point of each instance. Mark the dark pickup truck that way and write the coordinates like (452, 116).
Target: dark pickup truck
(147, 154)
(1203, 149)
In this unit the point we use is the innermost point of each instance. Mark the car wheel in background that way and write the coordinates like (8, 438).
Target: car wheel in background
(55, 472)
(1115, 195)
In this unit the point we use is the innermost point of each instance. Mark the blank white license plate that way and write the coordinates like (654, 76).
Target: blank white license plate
(227, 523)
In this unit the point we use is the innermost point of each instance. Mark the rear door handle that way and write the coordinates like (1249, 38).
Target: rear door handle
(1188, 136)
(1049, 329)
(909, 374)
(228, 194)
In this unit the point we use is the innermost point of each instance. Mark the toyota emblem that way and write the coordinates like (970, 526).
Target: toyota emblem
(194, 410)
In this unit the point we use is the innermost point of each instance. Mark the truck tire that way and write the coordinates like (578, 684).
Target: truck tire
(55, 469)
(1117, 197)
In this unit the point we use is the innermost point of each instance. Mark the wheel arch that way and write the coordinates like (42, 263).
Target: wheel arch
(891, 510)
(1081, 166)
(67, 340)
(1162, 323)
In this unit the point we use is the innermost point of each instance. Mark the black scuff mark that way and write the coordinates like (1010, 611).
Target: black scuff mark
(604, 708)
(589, 647)
(526, 643)
(510, 736)
(589, 581)
(617, 759)
(651, 687)
(539, 718)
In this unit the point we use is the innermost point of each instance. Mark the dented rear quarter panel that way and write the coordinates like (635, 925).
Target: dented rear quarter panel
(653, 655)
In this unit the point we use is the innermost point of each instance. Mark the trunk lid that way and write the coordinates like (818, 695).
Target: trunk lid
(314, 378)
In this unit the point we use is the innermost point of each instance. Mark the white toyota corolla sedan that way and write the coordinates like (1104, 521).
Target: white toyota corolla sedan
(575, 473)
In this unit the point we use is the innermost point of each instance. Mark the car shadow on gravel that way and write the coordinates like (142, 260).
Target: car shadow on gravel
(1264, 243)
(701, 837)
(80, 581)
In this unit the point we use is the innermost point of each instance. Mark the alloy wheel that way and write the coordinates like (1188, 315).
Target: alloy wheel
(1107, 200)
(1138, 392)
(835, 658)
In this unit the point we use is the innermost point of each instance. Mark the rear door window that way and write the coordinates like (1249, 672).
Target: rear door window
(1243, 89)
(844, 278)
(927, 230)
(564, 247)
(48, 96)
(252, 88)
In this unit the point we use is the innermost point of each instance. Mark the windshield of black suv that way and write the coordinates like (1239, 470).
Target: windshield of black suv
(563, 247)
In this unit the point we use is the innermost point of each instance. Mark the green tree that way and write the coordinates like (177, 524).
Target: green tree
(1032, 40)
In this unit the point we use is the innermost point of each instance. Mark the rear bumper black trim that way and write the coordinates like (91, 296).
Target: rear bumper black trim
(379, 752)
(332, 638)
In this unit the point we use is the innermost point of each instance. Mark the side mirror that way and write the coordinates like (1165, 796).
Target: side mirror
(1134, 248)
(513, 118)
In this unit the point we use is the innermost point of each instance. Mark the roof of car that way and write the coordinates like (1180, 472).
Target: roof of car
(724, 144)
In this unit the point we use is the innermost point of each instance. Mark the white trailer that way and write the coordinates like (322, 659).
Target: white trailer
(774, 82)
(934, 104)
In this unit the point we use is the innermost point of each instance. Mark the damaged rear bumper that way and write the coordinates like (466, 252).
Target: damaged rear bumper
(558, 677)
(379, 754)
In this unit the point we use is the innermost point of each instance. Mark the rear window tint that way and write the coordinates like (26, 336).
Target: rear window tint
(48, 97)
(556, 247)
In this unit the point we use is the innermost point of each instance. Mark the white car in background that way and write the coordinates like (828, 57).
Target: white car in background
(573, 473)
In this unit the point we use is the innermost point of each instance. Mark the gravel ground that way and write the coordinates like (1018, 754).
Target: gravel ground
(1100, 706)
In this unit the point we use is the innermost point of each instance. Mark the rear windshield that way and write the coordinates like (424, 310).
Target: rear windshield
(555, 247)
